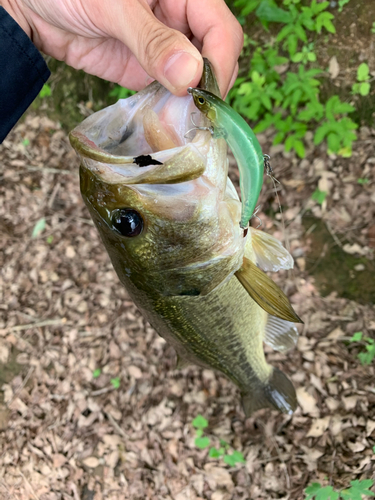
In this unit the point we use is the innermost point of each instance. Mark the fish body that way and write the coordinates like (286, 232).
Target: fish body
(241, 139)
(171, 230)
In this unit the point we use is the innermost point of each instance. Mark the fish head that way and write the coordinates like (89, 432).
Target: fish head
(159, 196)
(203, 102)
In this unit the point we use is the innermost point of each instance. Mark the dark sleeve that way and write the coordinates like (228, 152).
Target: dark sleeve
(22, 72)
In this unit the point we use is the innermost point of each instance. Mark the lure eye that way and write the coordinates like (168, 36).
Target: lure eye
(127, 221)
(201, 100)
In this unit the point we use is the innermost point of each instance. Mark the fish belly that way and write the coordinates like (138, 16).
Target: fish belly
(222, 330)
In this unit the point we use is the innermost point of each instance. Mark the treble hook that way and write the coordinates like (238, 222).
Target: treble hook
(255, 215)
(196, 127)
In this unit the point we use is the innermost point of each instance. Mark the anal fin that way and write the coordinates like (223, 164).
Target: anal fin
(278, 394)
(265, 292)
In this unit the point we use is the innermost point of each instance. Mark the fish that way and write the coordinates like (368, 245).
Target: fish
(171, 229)
(227, 123)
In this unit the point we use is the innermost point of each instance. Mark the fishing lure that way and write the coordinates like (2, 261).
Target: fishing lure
(246, 149)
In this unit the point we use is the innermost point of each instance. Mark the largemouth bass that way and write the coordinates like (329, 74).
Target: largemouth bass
(169, 216)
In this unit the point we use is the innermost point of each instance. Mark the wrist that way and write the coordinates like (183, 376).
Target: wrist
(11, 6)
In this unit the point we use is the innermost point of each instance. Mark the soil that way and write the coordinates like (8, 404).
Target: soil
(65, 434)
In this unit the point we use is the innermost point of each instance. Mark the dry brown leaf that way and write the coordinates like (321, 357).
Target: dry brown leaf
(318, 427)
(307, 402)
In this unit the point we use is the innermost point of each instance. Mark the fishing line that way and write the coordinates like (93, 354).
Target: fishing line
(269, 173)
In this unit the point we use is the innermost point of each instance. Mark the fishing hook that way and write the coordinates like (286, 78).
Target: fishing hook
(196, 127)
(255, 215)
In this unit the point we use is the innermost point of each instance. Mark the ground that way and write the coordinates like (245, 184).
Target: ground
(127, 433)
(68, 435)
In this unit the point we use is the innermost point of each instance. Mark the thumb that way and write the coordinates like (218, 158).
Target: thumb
(164, 53)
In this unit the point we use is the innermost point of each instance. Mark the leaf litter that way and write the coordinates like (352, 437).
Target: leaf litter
(92, 406)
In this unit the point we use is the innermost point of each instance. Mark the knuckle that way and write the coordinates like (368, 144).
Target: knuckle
(156, 41)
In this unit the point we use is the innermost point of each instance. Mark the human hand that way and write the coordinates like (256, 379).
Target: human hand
(132, 42)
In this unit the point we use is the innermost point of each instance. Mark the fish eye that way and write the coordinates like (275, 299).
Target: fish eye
(201, 100)
(127, 221)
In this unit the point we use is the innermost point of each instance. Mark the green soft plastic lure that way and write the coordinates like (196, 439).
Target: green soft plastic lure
(228, 124)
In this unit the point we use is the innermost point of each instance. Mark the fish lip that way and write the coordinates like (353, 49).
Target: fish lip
(190, 90)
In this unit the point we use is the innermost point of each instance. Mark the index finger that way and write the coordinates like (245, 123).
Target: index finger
(220, 34)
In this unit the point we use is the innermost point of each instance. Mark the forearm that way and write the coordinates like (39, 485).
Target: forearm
(22, 68)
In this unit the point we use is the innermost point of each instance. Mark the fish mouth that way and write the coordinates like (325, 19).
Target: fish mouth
(152, 137)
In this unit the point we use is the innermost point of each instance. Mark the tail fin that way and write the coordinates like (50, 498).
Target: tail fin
(278, 393)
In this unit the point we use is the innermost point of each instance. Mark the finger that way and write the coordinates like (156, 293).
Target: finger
(164, 53)
(221, 35)
(232, 80)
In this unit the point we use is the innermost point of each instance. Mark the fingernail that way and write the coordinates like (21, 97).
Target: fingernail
(180, 69)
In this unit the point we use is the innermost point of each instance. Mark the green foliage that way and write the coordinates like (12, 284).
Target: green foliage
(120, 92)
(46, 91)
(373, 28)
(358, 489)
(202, 442)
(25, 142)
(368, 355)
(342, 3)
(49, 239)
(363, 180)
(319, 196)
(39, 228)
(115, 382)
(96, 373)
(362, 86)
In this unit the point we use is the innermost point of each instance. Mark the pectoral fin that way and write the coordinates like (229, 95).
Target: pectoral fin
(269, 253)
(265, 292)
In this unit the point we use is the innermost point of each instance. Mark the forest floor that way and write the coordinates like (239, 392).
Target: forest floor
(127, 433)
(65, 434)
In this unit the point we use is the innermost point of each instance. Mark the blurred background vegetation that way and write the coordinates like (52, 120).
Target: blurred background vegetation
(305, 73)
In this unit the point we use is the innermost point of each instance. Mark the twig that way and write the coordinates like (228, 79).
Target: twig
(102, 391)
(115, 425)
(29, 485)
(47, 322)
(47, 169)
(337, 241)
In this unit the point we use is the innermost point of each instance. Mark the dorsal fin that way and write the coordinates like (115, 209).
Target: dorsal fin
(279, 334)
(265, 292)
(269, 253)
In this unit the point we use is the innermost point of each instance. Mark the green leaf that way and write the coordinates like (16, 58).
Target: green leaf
(202, 442)
(342, 3)
(25, 142)
(199, 422)
(96, 373)
(324, 20)
(233, 459)
(46, 91)
(357, 489)
(39, 228)
(319, 196)
(363, 181)
(312, 490)
(364, 88)
(49, 239)
(115, 382)
(216, 453)
(299, 148)
(270, 12)
(363, 72)
(357, 337)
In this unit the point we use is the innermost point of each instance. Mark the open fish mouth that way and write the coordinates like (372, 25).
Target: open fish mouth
(149, 138)
(146, 154)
